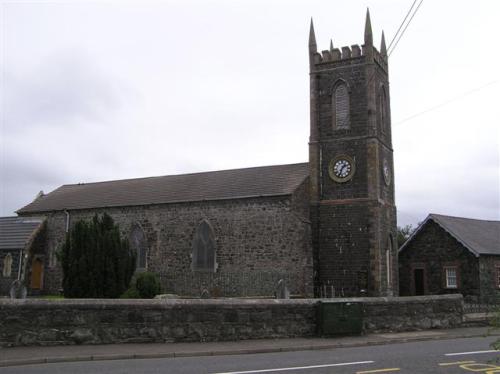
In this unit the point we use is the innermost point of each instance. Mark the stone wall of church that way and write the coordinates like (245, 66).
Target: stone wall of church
(258, 242)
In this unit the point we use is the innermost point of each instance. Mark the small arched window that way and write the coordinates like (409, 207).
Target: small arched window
(382, 105)
(7, 265)
(340, 106)
(203, 256)
(139, 245)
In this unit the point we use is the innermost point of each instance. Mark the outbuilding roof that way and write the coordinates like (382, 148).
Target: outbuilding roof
(15, 232)
(215, 185)
(478, 236)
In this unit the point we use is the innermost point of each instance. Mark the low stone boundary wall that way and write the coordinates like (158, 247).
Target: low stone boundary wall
(51, 322)
(413, 313)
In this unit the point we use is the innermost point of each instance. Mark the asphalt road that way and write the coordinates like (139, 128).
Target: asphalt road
(437, 356)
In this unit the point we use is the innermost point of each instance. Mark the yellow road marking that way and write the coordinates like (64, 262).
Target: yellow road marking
(378, 371)
(456, 363)
(493, 371)
(479, 367)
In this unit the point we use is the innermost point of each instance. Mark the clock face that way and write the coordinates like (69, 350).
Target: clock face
(387, 172)
(341, 169)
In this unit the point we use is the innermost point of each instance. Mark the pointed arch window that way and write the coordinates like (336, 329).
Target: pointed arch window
(341, 107)
(204, 249)
(383, 109)
(7, 265)
(139, 246)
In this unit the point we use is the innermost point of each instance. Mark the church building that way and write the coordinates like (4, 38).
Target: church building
(326, 227)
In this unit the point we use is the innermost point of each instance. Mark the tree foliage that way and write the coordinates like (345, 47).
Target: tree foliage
(148, 285)
(144, 285)
(96, 261)
(404, 233)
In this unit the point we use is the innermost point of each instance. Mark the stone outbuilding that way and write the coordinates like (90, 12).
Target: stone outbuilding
(452, 255)
(21, 242)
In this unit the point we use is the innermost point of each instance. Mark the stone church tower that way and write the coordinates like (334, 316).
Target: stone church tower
(353, 212)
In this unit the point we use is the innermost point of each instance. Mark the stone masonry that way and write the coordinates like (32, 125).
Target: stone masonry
(436, 249)
(258, 241)
(319, 234)
(49, 322)
(354, 221)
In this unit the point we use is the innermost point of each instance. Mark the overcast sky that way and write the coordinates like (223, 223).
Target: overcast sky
(102, 90)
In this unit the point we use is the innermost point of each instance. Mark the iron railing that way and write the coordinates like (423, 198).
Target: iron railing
(481, 308)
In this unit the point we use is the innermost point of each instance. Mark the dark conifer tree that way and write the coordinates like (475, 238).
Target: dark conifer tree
(96, 261)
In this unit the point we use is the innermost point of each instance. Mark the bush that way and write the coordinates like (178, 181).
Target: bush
(147, 285)
(131, 293)
(96, 261)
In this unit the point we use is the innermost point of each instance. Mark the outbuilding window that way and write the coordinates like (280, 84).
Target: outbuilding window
(451, 277)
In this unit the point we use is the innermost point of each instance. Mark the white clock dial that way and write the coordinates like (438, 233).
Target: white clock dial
(341, 169)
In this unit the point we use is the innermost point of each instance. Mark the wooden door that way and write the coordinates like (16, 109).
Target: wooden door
(36, 274)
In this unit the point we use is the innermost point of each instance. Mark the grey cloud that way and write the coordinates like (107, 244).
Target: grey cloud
(62, 88)
(22, 178)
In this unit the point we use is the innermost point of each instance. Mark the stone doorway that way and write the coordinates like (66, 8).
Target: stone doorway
(419, 281)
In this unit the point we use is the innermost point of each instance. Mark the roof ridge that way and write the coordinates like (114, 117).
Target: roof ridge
(466, 218)
(453, 233)
(176, 175)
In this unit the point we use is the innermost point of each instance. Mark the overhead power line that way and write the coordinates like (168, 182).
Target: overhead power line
(403, 32)
(400, 26)
(399, 29)
(467, 93)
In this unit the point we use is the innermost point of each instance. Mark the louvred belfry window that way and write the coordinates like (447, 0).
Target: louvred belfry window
(383, 109)
(341, 107)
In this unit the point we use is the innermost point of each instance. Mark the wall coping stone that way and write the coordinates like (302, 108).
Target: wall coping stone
(395, 299)
(166, 303)
(153, 303)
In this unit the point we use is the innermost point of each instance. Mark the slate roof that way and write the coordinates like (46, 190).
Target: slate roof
(478, 236)
(215, 185)
(15, 232)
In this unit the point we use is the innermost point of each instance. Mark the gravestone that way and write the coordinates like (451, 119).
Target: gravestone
(205, 294)
(282, 291)
(17, 290)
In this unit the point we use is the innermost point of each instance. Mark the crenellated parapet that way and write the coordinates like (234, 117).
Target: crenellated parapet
(339, 54)
(348, 54)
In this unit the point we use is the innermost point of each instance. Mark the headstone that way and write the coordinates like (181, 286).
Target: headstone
(205, 294)
(282, 291)
(17, 290)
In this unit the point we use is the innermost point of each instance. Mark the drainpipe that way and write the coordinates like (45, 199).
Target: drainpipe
(20, 265)
(67, 220)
